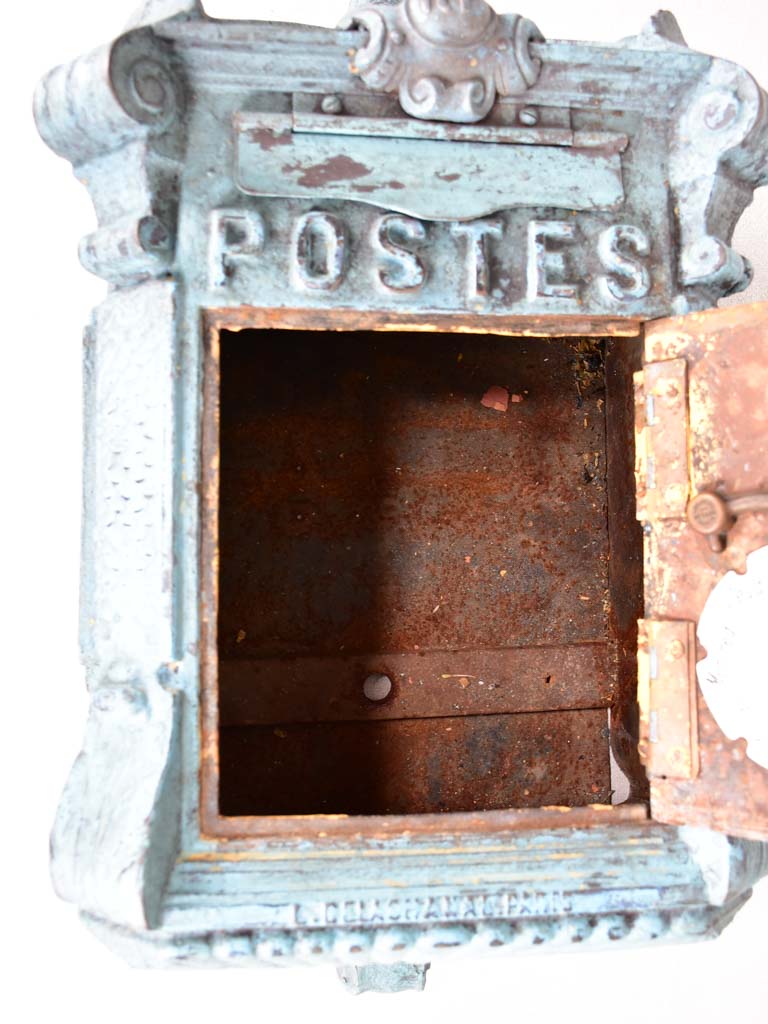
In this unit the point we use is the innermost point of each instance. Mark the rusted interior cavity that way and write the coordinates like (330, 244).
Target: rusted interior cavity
(427, 601)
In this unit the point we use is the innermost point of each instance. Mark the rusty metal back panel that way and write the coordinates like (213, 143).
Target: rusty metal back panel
(369, 502)
(488, 762)
(375, 516)
(433, 684)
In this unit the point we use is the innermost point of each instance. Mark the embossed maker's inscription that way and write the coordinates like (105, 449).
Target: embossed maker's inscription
(512, 903)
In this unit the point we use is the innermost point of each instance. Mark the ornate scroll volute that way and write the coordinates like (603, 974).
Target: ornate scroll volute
(116, 114)
(718, 156)
(447, 59)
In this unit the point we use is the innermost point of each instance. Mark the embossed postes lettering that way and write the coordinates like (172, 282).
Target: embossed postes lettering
(319, 251)
(478, 234)
(235, 235)
(622, 249)
(398, 238)
(490, 259)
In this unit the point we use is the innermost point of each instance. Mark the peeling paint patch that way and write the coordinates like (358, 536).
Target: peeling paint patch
(267, 139)
(337, 168)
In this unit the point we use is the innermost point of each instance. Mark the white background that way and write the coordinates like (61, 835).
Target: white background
(50, 963)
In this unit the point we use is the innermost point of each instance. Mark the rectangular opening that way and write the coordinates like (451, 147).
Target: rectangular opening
(426, 604)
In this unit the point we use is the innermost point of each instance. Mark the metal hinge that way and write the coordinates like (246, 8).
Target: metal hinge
(667, 695)
(661, 440)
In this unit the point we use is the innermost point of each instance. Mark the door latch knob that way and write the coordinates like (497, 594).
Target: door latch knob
(713, 516)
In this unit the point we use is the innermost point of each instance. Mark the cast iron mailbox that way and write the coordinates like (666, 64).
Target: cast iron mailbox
(409, 330)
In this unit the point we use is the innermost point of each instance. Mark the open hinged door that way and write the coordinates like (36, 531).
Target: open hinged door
(702, 489)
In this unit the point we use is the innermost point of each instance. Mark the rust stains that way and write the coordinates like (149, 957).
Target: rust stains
(447, 765)
(552, 737)
(264, 691)
(425, 535)
(726, 353)
(525, 326)
(336, 828)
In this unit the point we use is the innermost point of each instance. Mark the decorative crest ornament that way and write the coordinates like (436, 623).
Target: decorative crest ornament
(447, 59)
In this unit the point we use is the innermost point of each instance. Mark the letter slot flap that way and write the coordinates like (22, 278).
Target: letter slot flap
(423, 170)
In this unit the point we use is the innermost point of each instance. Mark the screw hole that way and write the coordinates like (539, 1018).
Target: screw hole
(377, 687)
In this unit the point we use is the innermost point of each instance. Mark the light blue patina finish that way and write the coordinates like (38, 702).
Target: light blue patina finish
(245, 164)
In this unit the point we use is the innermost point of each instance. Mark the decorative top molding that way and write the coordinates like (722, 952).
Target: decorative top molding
(447, 59)
(125, 116)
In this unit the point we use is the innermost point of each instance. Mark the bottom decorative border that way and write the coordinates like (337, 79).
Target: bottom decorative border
(411, 943)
